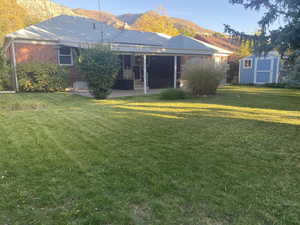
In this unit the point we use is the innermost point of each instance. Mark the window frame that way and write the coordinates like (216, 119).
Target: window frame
(65, 55)
(244, 64)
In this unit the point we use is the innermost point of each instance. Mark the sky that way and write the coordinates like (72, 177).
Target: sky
(210, 14)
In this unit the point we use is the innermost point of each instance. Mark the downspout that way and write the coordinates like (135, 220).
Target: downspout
(14, 64)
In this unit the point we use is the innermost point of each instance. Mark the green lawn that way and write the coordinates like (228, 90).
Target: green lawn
(229, 159)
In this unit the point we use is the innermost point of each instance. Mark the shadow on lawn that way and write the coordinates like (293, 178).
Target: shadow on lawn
(262, 91)
(184, 110)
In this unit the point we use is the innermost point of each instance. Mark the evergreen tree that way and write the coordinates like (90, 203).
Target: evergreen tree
(285, 38)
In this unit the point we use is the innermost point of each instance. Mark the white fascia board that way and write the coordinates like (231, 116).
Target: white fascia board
(37, 42)
(221, 54)
(156, 50)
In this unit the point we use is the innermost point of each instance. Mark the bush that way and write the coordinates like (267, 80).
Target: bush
(101, 66)
(293, 84)
(203, 78)
(173, 94)
(41, 77)
(275, 85)
(5, 73)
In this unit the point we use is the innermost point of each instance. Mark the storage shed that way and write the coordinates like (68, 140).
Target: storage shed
(262, 69)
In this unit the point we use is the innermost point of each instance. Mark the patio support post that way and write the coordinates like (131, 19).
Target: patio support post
(14, 63)
(145, 74)
(175, 71)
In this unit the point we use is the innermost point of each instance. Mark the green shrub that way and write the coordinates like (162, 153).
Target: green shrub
(203, 78)
(173, 94)
(41, 77)
(275, 85)
(5, 73)
(101, 66)
(293, 84)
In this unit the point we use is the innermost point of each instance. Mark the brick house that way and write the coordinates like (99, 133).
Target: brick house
(149, 60)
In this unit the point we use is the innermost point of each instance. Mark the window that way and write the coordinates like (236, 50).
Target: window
(247, 63)
(65, 56)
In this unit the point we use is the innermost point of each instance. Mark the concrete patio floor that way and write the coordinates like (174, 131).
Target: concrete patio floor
(120, 93)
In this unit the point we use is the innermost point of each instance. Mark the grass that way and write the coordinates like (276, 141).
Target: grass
(233, 158)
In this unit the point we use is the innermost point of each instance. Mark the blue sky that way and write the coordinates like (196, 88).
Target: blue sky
(211, 14)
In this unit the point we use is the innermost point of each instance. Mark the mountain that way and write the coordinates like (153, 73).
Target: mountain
(44, 9)
(186, 24)
(130, 18)
(100, 16)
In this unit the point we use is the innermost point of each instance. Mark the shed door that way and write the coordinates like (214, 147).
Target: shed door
(264, 71)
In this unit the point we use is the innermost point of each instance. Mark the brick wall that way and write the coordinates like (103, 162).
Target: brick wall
(45, 54)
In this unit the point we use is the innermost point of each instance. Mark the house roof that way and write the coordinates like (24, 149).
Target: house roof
(75, 31)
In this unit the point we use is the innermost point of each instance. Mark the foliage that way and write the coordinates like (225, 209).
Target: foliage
(285, 38)
(293, 84)
(295, 73)
(41, 77)
(276, 85)
(184, 29)
(100, 65)
(5, 78)
(245, 49)
(173, 94)
(153, 21)
(12, 17)
(203, 78)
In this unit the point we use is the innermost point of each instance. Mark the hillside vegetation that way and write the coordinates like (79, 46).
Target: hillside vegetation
(12, 17)
(44, 9)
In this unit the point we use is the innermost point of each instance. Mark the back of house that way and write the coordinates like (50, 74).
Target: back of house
(148, 60)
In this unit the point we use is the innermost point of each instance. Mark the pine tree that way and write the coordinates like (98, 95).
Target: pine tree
(285, 38)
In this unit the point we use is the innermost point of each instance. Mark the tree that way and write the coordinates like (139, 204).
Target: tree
(286, 38)
(295, 74)
(12, 17)
(153, 21)
(100, 66)
(245, 49)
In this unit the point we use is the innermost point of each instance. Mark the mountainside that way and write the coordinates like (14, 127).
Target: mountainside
(130, 18)
(100, 16)
(182, 23)
(44, 9)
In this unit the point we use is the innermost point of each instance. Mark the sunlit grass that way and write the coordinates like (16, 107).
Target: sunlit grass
(213, 110)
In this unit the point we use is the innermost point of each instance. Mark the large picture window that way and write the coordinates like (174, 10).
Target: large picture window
(65, 56)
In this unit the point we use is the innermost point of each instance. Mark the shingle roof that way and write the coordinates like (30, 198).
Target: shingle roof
(74, 29)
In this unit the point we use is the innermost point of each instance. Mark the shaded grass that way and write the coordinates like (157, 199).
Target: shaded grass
(227, 159)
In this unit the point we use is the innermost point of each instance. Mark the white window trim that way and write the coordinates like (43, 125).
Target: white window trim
(71, 54)
(247, 67)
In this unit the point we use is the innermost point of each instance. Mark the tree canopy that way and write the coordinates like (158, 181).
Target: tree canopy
(285, 38)
(12, 17)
